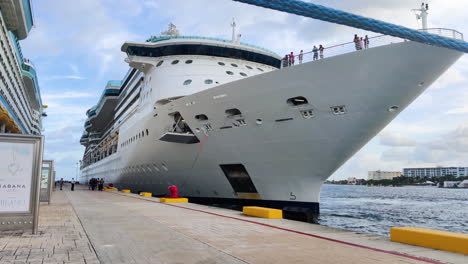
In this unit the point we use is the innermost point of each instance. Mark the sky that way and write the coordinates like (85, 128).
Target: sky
(76, 50)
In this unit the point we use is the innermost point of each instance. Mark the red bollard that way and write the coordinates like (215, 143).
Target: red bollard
(174, 191)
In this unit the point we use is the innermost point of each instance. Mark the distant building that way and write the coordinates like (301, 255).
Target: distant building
(352, 180)
(435, 172)
(451, 184)
(382, 175)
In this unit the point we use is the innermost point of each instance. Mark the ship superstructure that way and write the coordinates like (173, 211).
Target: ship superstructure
(21, 109)
(222, 121)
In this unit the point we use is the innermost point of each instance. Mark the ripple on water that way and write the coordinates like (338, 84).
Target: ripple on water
(377, 209)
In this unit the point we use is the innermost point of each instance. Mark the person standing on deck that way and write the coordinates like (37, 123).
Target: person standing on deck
(301, 56)
(361, 44)
(321, 48)
(291, 59)
(73, 184)
(366, 42)
(285, 61)
(315, 51)
(356, 41)
(61, 183)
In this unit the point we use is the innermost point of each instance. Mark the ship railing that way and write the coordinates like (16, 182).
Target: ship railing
(374, 41)
(445, 32)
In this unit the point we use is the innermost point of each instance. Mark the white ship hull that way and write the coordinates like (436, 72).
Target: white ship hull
(287, 156)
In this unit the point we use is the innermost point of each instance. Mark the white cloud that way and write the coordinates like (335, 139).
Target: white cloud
(58, 77)
(66, 95)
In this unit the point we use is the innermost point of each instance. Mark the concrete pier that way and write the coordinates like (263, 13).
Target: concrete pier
(111, 227)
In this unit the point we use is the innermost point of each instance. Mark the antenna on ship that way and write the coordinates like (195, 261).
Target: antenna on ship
(171, 31)
(233, 25)
(422, 14)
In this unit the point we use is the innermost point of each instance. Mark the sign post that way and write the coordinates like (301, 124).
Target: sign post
(47, 172)
(20, 171)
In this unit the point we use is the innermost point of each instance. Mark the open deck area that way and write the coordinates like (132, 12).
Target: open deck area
(112, 227)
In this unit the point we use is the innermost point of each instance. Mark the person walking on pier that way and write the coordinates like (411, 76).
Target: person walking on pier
(301, 56)
(321, 48)
(61, 183)
(73, 184)
(315, 51)
(366, 42)
(101, 184)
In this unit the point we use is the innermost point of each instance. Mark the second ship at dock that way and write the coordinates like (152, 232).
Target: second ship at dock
(224, 123)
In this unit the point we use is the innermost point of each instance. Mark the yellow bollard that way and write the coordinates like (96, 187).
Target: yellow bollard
(262, 212)
(146, 194)
(126, 191)
(173, 200)
(442, 240)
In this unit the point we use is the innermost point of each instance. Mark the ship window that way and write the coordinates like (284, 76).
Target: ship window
(248, 67)
(188, 61)
(243, 74)
(229, 72)
(208, 81)
(201, 117)
(147, 133)
(260, 69)
(175, 62)
(159, 63)
(234, 65)
(299, 100)
(187, 82)
(233, 112)
(221, 63)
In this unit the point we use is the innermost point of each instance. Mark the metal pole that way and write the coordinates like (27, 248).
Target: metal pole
(38, 187)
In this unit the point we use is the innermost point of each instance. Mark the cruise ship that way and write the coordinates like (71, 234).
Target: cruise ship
(21, 109)
(224, 122)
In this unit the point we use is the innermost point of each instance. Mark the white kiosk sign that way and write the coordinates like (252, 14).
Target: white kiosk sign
(20, 164)
(46, 180)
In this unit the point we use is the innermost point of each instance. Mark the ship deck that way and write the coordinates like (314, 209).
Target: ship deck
(112, 227)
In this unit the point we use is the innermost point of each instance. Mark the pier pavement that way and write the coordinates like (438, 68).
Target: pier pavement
(111, 227)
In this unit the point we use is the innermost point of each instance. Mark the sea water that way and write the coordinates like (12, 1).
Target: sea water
(377, 209)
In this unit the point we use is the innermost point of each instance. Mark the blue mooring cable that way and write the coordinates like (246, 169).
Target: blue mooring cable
(344, 18)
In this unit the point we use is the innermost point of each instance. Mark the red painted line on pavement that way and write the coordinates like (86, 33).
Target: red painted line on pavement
(297, 232)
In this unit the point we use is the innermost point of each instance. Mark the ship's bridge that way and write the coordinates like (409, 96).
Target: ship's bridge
(195, 45)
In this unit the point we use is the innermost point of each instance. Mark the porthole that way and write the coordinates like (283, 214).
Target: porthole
(159, 63)
(393, 108)
(221, 63)
(229, 72)
(299, 100)
(243, 74)
(201, 117)
(187, 82)
(188, 61)
(233, 112)
(208, 81)
(248, 67)
(234, 65)
(175, 62)
(260, 69)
